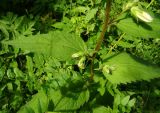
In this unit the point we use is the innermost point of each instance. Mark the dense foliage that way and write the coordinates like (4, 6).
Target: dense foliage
(79, 56)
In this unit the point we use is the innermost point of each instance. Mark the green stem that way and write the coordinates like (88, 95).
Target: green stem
(150, 4)
(116, 43)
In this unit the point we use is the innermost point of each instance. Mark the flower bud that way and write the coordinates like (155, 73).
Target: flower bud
(142, 15)
(130, 4)
(81, 63)
(78, 54)
(106, 69)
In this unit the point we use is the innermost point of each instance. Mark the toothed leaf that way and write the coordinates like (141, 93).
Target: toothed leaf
(127, 68)
(140, 29)
(38, 104)
(69, 101)
(60, 45)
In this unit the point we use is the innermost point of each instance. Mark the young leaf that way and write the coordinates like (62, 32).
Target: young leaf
(131, 102)
(125, 100)
(130, 69)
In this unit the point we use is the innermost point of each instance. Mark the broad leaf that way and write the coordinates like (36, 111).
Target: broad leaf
(140, 29)
(58, 44)
(70, 101)
(39, 104)
(126, 68)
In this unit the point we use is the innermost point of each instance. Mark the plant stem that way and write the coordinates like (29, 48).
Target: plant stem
(92, 69)
(105, 25)
(116, 43)
(152, 1)
(101, 37)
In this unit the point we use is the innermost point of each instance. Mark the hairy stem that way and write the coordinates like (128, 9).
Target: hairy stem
(101, 37)
(105, 25)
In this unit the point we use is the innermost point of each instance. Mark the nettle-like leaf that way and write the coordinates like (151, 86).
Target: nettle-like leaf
(71, 101)
(38, 104)
(137, 28)
(58, 44)
(126, 68)
(55, 100)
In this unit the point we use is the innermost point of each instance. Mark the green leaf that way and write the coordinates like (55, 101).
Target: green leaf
(38, 104)
(27, 28)
(69, 101)
(2, 72)
(55, 112)
(4, 29)
(102, 87)
(102, 109)
(58, 44)
(125, 44)
(131, 102)
(117, 100)
(127, 68)
(140, 29)
(79, 9)
(125, 100)
(18, 22)
(27, 110)
(18, 72)
(29, 65)
(91, 13)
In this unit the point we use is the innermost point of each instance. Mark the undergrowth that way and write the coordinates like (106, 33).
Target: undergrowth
(79, 56)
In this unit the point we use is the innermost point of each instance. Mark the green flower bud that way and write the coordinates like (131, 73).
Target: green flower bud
(129, 5)
(142, 15)
(78, 54)
(108, 69)
(81, 63)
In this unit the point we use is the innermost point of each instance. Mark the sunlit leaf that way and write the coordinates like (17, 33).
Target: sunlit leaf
(127, 68)
(140, 29)
(60, 45)
(38, 104)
